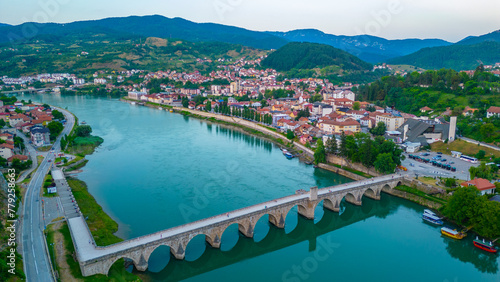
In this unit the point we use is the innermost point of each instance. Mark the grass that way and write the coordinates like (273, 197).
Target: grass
(77, 158)
(84, 145)
(365, 175)
(44, 148)
(419, 193)
(465, 148)
(116, 273)
(101, 225)
(78, 166)
(427, 180)
(50, 246)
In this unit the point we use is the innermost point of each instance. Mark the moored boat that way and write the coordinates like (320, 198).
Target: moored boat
(453, 233)
(427, 211)
(432, 219)
(481, 244)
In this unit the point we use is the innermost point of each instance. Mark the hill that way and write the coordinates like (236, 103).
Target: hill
(298, 55)
(493, 36)
(86, 52)
(151, 26)
(457, 56)
(368, 48)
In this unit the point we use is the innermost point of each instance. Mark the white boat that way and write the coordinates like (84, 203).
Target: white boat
(132, 103)
(429, 212)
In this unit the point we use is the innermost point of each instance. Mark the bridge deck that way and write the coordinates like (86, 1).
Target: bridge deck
(86, 250)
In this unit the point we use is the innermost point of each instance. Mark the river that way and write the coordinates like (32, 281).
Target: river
(158, 169)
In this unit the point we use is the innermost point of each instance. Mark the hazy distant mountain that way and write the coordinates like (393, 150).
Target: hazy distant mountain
(494, 36)
(369, 48)
(156, 26)
(298, 55)
(457, 56)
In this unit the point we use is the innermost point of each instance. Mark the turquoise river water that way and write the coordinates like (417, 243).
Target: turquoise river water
(158, 169)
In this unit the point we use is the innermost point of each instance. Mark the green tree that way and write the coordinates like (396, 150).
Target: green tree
(208, 106)
(488, 132)
(320, 153)
(356, 106)
(289, 134)
(55, 128)
(482, 171)
(185, 102)
(332, 146)
(57, 115)
(379, 130)
(462, 204)
(83, 130)
(384, 163)
(480, 155)
(2, 123)
(343, 145)
(46, 106)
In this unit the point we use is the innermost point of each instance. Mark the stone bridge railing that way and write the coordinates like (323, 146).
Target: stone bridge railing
(94, 260)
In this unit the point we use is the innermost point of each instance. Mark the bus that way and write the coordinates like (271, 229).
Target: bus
(468, 159)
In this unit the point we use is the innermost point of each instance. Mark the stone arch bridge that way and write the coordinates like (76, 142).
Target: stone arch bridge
(98, 260)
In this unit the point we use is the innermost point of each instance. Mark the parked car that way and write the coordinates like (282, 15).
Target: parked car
(443, 160)
(439, 153)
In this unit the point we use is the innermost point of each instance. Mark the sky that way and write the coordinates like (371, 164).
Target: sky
(391, 19)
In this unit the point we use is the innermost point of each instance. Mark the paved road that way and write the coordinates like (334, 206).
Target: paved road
(476, 142)
(32, 153)
(35, 257)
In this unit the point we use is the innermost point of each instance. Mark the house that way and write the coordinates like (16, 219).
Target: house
(483, 185)
(493, 111)
(40, 135)
(468, 111)
(331, 127)
(425, 109)
(22, 158)
(306, 138)
(6, 150)
(424, 132)
(18, 119)
(391, 122)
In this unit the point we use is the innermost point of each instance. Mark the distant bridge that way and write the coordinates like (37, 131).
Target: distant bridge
(22, 91)
(98, 260)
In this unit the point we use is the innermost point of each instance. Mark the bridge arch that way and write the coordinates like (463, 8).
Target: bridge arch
(147, 253)
(387, 188)
(109, 263)
(195, 247)
(353, 198)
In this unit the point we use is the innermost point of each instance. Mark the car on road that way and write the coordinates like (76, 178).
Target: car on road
(443, 160)
(451, 162)
(439, 153)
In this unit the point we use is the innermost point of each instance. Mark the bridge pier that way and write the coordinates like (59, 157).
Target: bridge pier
(307, 211)
(142, 265)
(354, 199)
(332, 205)
(278, 220)
(178, 250)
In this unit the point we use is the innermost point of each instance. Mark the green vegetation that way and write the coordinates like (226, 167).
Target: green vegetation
(479, 128)
(245, 112)
(58, 115)
(319, 153)
(467, 207)
(466, 148)
(100, 224)
(80, 142)
(116, 273)
(297, 55)
(360, 173)
(421, 194)
(458, 57)
(379, 153)
(304, 60)
(113, 52)
(436, 89)
(55, 128)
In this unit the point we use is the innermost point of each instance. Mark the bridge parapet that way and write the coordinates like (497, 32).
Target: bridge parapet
(140, 249)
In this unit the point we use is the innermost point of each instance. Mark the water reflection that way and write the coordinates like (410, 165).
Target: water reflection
(464, 251)
(276, 239)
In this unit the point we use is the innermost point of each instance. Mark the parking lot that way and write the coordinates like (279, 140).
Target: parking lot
(427, 169)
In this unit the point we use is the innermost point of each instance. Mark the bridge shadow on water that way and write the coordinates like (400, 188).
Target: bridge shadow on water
(235, 247)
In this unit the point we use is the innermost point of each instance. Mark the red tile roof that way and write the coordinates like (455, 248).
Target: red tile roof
(480, 183)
